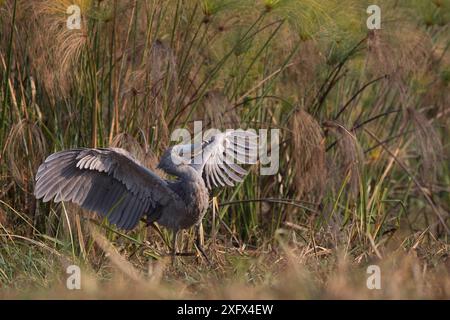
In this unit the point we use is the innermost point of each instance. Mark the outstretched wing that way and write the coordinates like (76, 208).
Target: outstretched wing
(108, 181)
(221, 155)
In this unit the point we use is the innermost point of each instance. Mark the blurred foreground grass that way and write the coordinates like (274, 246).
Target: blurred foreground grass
(293, 272)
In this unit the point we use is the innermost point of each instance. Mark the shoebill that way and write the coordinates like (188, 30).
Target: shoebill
(110, 182)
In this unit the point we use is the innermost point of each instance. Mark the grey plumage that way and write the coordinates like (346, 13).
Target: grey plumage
(112, 183)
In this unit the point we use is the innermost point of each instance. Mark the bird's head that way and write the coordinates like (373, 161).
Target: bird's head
(176, 156)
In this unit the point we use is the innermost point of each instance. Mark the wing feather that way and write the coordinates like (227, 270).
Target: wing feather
(130, 207)
(230, 173)
(108, 181)
(220, 156)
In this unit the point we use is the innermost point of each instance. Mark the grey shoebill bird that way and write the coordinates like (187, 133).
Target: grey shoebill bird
(110, 182)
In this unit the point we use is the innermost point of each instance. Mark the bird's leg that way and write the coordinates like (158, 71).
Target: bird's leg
(174, 246)
(154, 226)
(198, 242)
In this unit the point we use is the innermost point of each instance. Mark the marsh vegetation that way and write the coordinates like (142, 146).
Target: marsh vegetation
(364, 175)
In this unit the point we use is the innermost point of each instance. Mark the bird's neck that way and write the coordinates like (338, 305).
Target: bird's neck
(184, 172)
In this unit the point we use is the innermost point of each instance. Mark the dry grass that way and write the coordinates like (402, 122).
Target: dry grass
(294, 271)
(349, 157)
(309, 142)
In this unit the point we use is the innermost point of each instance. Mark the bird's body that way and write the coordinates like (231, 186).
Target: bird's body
(195, 196)
(112, 183)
